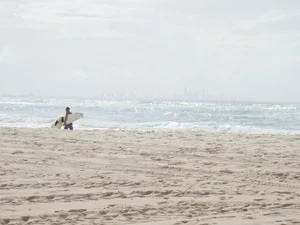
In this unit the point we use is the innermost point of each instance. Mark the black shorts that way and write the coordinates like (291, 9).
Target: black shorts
(69, 126)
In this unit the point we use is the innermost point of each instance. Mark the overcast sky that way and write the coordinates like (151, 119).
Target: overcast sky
(224, 49)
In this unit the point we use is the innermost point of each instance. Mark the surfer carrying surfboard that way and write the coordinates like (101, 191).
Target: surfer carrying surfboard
(66, 121)
(70, 125)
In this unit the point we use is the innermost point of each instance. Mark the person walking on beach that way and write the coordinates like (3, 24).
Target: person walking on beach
(68, 126)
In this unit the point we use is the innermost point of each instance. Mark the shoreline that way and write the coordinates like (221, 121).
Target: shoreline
(169, 178)
(103, 130)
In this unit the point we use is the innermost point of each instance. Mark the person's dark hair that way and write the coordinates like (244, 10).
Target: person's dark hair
(68, 108)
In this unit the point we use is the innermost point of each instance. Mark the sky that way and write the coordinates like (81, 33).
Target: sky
(206, 49)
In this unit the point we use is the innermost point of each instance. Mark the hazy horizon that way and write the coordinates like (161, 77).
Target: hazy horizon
(138, 98)
(212, 50)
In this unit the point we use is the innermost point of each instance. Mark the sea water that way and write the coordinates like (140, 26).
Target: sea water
(220, 117)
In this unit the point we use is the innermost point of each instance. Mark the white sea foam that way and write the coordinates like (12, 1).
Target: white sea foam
(155, 115)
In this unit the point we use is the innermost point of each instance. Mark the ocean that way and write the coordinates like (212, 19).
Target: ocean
(216, 117)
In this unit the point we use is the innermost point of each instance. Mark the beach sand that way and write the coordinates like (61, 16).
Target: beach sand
(163, 178)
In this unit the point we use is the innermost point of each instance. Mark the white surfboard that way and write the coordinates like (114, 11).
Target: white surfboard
(59, 123)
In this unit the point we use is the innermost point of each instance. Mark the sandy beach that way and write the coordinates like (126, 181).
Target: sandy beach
(124, 177)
